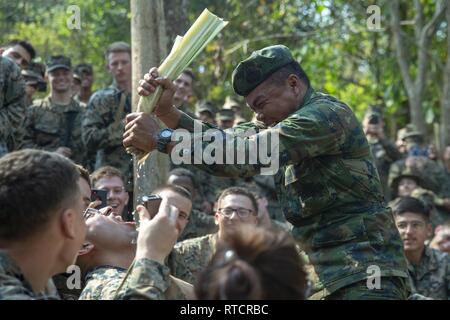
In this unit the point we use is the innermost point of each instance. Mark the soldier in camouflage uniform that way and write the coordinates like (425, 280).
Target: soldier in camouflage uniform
(327, 183)
(189, 257)
(34, 81)
(429, 269)
(54, 123)
(12, 106)
(200, 223)
(384, 151)
(206, 112)
(110, 249)
(103, 121)
(433, 175)
(409, 184)
(86, 74)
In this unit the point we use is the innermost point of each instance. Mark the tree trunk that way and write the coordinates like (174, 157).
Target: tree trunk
(423, 35)
(445, 100)
(177, 20)
(149, 48)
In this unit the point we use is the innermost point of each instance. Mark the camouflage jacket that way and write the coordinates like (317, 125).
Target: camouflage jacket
(12, 106)
(102, 284)
(431, 278)
(103, 128)
(49, 126)
(14, 286)
(199, 224)
(328, 188)
(188, 258)
(385, 153)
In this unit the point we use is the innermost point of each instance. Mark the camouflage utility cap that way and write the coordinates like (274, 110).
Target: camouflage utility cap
(59, 62)
(258, 67)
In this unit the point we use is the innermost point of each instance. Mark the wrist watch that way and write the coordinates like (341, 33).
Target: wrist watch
(164, 137)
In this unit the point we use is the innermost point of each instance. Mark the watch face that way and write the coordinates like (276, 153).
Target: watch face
(166, 133)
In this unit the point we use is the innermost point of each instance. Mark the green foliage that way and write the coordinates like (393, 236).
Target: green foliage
(330, 39)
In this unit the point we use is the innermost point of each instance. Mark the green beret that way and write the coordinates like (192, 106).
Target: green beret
(258, 67)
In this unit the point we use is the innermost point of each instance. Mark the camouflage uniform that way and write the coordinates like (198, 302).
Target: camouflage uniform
(327, 184)
(385, 153)
(102, 284)
(12, 106)
(14, 286)
(103, 128)
(199, 224)
(431, 278)
(50, 126)
(432, 174)
(188, 258)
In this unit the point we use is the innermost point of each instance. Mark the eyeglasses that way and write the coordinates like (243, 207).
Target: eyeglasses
(115, 190)
(241, 212)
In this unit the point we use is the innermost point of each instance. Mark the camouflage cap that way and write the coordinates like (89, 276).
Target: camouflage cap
(258, 67)
(59, 62)
(205, 106)
(407, 173)
(83, 68)
(225, 114)
(231, 103)
(411, 132)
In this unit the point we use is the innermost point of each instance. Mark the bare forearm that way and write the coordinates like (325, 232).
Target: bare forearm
(171, 118)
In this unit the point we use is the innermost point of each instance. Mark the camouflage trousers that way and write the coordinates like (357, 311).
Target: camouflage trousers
(391, 288)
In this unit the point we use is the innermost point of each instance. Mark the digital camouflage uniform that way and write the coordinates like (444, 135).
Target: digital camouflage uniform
(103, 128)
(49, 126)
(327, 185)
(188, 258)
(199, 224)
(431, 278)
(14, 286)
(12, 106)
(102, 284)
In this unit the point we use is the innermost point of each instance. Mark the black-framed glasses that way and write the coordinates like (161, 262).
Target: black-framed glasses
(241, 212)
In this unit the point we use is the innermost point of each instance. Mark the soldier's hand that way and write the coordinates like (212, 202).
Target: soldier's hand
(157, 236)
(66, 152)
(149, 84)
(141, 132)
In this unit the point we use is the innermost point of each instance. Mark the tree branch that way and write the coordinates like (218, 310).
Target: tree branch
(424, 41)
(418, 20)
(402, 56)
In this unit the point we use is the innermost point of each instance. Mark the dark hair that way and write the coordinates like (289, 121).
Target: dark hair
(26, 45)
(279, 77)
(84, 174)
(106, 172)
(239, 191)
(190, 73)
(410, 204)
(182, 172)
(33, 185)
(175, 188)
(254, 263)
